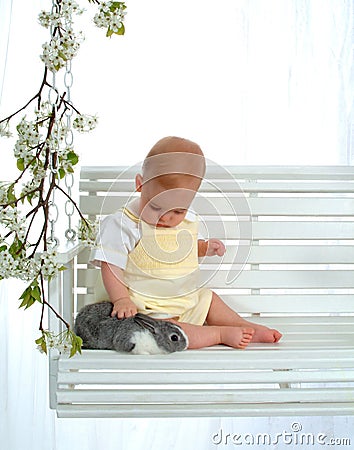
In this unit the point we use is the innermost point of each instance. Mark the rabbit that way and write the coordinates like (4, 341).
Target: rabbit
(139, 334)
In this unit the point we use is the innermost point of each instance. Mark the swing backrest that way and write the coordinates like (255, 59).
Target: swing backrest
(289, 233)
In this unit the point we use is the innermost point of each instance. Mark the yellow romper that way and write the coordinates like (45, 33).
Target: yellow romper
(162, 273)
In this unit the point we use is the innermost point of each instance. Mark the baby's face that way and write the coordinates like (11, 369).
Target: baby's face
(163, 207)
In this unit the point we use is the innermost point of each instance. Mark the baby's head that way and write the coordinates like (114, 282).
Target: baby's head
(172, 173)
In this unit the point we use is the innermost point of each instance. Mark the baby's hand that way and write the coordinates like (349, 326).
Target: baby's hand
(215, 247)
(123, 307)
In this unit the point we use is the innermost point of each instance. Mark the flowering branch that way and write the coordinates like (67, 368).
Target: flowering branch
(44, 155)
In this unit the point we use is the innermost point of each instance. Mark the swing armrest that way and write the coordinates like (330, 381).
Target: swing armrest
(61, 291)
(69, 251)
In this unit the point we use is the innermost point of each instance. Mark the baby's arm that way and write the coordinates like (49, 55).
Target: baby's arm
(113, 280)
(210, 248)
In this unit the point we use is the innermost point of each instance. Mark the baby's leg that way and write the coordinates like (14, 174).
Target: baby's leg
(220, 314)
(205, 336)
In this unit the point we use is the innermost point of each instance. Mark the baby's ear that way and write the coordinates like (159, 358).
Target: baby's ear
(138, 182)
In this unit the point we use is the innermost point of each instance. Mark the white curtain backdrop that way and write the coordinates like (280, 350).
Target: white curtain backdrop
(252, 81)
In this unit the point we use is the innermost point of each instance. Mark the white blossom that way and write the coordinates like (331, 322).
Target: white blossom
(111, 16)
(28, 132)
(11, 218)
(104, 6)
(31, 186)
(45, 19)
(49, 264)
(102, 20)
(61, 342)
(38, 173)
(28, 140)
(8, 264)
(27, 269)
(5, 130)
(3, 194)
(70, 7)
(61, 49)
(22, 151)
(88, 232)
(44, 111)
(84, 123)
(55, 19)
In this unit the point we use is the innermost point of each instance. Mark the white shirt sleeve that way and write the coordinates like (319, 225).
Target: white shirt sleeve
(192, 217)
(117, 237)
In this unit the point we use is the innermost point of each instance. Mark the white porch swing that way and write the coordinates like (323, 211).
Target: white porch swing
(298, 223)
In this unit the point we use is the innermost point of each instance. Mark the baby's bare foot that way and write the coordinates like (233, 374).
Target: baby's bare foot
(265, 334)
(236, 337)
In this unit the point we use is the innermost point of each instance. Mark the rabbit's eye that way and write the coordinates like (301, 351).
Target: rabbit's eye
(174, 337)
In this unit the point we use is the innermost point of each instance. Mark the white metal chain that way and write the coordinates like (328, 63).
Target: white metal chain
(70, 233)
(53, 99)
(53, 212)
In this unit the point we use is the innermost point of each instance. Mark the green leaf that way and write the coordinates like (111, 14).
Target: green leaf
(30, 302)
(30, 295)
(62, 56)
(76, 344)
(73, 158)
(61, 173)
(116, 5)
(121, 30)
(21, 164)
(11, 198)
(2, 248)
(42, 343)
(72, 351)
(26, 296)
(36, 293)
(15, 248)
(29, 198)
(109, 32)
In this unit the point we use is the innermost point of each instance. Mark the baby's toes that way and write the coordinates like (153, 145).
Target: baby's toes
(277, 335)
(247, 335)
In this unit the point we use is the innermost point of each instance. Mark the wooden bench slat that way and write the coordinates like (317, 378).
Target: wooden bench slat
(255, 358)
(232, 185)
(272, 304)
(314, 230)
(238, 206)
(257, 279)
(205, 396)
(199, 378)
(215, 410)
(279, 279)
(286, 254)
(277, 230)
(248, 172)
(290, 304)
(146, 377)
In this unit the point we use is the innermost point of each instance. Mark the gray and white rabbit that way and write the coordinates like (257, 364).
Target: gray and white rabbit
(139, 334)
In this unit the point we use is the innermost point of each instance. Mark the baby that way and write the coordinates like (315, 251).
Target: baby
(148, 253)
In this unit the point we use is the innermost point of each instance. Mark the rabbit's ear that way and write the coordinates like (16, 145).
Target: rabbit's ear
(146, 322)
